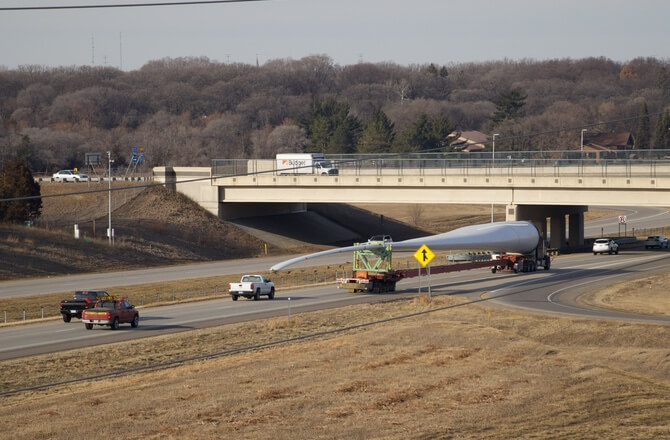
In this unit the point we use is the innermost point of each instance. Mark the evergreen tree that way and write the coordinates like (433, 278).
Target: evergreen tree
(16, 180)
(418, 136)
(330, 127)
(378, 135)
(509, 105)
(425, 134)
(442, 130)
(642, 134)
(662, 132)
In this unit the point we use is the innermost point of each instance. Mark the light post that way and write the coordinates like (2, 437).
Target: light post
(582, 141)
(109, 195)
(493, 163)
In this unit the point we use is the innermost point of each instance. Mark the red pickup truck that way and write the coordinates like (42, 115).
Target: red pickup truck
(112, 313)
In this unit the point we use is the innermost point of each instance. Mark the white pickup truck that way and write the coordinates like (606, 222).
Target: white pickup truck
(252, 286)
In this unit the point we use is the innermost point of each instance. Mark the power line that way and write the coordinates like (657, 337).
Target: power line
(346, 161)
(125, 5)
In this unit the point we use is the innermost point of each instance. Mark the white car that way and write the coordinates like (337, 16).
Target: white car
(69, 176)
(602, 245)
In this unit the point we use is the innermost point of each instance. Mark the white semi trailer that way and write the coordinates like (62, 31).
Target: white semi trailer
(305, 163)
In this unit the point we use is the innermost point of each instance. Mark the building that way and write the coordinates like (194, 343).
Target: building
(469, 141)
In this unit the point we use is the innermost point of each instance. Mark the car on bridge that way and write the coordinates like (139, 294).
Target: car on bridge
(69, 176)
(605, 245)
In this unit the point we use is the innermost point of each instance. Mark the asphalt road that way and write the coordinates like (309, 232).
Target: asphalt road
(636, 218)
(553, 291)
(70, 283)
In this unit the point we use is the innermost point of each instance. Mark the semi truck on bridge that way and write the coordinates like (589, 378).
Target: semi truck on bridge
(305, 163)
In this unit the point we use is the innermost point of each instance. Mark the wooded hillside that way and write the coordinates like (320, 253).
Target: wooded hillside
(188, 111)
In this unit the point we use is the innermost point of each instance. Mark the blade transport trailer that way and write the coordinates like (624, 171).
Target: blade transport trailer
(516, 245)
(373, 272)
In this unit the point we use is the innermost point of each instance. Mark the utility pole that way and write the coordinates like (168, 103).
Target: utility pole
(109, 195)
(493, 164)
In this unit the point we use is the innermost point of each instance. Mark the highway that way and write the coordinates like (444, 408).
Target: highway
(554, 291)
(636, 218)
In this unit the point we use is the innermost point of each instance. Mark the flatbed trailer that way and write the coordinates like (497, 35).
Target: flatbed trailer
(373, 272)
(380, 282)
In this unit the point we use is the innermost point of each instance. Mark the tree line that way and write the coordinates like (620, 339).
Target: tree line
(188, 111)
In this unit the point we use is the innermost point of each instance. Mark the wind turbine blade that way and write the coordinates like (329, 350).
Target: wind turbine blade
(513, 237)
(292, 261)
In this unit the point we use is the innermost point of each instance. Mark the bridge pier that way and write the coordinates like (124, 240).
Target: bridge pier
(556, 216)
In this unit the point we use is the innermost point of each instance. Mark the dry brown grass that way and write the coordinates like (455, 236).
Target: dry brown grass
(650, 298)
(456, 373)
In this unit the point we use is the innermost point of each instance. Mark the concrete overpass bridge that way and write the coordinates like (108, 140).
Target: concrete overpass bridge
(552, 192)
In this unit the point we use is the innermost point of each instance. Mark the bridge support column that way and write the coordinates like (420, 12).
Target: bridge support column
(576, 230)
(557, 238)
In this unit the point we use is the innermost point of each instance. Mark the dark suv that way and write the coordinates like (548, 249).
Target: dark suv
(82, 299)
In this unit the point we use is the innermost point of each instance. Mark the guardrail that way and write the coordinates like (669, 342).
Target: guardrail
(100, 179)
(631, 163)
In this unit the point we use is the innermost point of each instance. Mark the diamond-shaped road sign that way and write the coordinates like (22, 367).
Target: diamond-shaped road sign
(424, 255)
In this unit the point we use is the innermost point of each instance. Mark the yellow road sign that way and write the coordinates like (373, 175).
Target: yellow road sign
(424, 255)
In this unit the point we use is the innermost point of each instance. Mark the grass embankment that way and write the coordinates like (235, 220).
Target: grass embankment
(465, 372)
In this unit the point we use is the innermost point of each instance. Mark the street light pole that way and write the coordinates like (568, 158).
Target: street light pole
(493, 163)
(582, 141)
(109, 195)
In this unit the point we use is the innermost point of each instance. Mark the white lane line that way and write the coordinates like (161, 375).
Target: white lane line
(550, 297)
(580, 268)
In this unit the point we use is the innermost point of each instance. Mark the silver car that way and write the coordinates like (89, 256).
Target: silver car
(656, 241)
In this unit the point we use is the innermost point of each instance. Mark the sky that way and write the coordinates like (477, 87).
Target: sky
(406, 32)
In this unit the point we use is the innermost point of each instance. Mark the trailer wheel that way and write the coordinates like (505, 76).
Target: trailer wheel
(493, 270)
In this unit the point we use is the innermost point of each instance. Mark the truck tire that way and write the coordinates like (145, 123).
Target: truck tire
(135, 322)
(272, 293)
(115, 324)
(66, 317)
(234, 297)
(257, 294)
(88, 326)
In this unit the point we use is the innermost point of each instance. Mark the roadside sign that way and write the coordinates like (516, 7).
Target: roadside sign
(424, 255)
(623, 219)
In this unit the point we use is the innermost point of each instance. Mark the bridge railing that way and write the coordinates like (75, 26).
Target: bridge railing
(634, 163)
